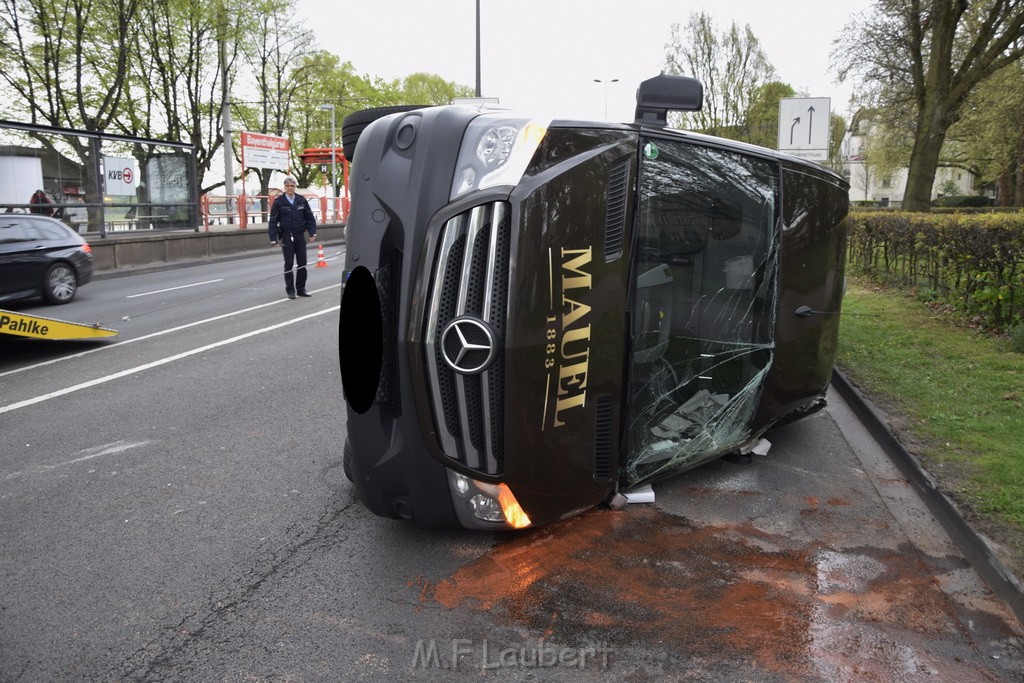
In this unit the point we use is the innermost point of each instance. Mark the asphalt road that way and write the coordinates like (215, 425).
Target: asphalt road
(173, 507)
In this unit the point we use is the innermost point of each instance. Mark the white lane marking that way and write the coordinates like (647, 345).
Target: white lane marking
(156, 334)
(171, 289)
(157, 363)
(97, 451)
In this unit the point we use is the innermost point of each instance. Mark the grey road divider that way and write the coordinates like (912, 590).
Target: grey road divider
(137, 249)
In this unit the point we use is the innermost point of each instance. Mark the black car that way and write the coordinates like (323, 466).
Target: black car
(539, 314)
(40, 256)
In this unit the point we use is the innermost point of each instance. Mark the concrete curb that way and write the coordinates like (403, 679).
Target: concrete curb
(123, 255)
(972, 544)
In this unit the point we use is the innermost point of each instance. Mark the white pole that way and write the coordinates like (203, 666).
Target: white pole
(334, 180)
(334, 164)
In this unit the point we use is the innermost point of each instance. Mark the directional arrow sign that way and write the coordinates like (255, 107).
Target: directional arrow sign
(804, 127)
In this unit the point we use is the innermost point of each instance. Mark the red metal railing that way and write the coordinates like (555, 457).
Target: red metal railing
(246, 210)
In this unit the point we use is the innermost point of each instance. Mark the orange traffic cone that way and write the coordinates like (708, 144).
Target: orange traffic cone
(321, 262)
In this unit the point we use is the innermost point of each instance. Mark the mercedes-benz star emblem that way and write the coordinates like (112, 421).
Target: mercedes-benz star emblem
(467, 345)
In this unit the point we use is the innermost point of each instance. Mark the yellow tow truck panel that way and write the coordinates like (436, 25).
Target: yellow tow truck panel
(38, 327)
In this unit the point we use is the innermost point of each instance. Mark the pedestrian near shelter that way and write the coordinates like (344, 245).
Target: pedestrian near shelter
(41, 204)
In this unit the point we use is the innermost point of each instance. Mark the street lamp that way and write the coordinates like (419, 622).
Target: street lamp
(334, 184)
(478, 48)
(606, 84)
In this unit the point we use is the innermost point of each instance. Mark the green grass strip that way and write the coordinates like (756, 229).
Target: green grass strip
(959, 391)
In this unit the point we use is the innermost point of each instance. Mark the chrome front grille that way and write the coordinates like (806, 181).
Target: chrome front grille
(470, 279)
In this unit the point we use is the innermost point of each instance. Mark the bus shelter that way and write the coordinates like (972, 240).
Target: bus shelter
(98, 182)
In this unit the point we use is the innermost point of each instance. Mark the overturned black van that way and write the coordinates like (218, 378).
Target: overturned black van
(539, 314)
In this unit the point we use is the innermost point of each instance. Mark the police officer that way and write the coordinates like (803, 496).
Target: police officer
(290, 217)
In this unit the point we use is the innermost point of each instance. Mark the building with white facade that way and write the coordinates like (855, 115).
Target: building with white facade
(867, 185)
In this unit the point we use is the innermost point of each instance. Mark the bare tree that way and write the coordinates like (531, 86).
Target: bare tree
(65, 64)
(273, 53)
(921, 59)
(177, 76)
(66, 61)
(731, 65)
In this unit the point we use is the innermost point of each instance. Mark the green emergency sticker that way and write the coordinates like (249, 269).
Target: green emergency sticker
(651, 150)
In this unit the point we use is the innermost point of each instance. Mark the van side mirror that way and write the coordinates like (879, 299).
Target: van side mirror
(657, 96)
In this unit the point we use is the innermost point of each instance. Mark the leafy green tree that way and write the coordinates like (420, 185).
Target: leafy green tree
(331, 82)
(336, 83)
(761, 120)
(992, 132)
(835, 142)
(919, 61)
(374, 91)
(731, 65)
(949, 187)
(424, 88)
(417, 88)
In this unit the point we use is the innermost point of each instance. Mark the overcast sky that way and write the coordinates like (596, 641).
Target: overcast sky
(543, 55)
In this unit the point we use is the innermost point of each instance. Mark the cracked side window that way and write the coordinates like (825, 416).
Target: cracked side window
(704, 311)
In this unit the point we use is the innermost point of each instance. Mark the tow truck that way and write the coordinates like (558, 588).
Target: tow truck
(17, 324)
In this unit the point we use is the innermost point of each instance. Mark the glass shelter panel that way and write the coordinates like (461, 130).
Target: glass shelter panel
(703, 318)
(95, 182)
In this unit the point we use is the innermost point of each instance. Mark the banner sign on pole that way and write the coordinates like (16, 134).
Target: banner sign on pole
(265, 151)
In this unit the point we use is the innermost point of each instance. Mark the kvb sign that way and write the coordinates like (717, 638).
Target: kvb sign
(119, 175)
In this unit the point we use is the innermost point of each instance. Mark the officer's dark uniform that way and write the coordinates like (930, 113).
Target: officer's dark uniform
(287, 223)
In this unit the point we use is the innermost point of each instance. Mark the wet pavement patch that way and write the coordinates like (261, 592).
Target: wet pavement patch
(730, 597)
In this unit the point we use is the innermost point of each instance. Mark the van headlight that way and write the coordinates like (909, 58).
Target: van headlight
(496, 150)
(480, 505)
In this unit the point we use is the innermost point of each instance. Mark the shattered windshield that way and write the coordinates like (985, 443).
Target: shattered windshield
(704, 312)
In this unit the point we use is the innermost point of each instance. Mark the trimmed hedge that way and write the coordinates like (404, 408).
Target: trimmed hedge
(962, 201)
(972, 261)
